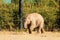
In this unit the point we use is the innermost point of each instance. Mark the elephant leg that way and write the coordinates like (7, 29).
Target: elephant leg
(33, 25)
(29, 31)
(37, 29)
(41, 29)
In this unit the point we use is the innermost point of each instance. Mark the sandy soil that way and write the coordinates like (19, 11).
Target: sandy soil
(5, 35)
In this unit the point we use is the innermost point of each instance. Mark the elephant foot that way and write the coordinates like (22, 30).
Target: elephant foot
(29, 31)
(42, 30)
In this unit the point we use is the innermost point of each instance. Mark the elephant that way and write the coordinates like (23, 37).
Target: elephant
(34, 21)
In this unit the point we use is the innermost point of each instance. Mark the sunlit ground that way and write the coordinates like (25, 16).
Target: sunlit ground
(6, 35)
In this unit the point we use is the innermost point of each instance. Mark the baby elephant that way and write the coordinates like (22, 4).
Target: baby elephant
(34, 21)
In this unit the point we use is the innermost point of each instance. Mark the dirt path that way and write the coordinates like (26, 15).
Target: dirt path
(26, 36)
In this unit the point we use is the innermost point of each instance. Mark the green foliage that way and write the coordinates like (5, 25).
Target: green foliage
(49, 9)
(9, 16)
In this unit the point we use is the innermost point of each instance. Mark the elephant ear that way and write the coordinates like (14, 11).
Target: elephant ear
(24, 18)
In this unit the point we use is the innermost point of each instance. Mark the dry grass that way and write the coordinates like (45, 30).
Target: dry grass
(6, 35)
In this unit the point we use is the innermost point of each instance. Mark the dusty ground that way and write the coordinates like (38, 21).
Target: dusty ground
(5, 35)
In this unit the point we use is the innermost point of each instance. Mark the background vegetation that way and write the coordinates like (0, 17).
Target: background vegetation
(49, 9)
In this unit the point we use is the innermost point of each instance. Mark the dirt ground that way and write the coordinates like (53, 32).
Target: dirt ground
(5, 35)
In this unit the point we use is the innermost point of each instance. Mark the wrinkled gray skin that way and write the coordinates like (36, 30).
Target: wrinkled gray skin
(34, 21)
